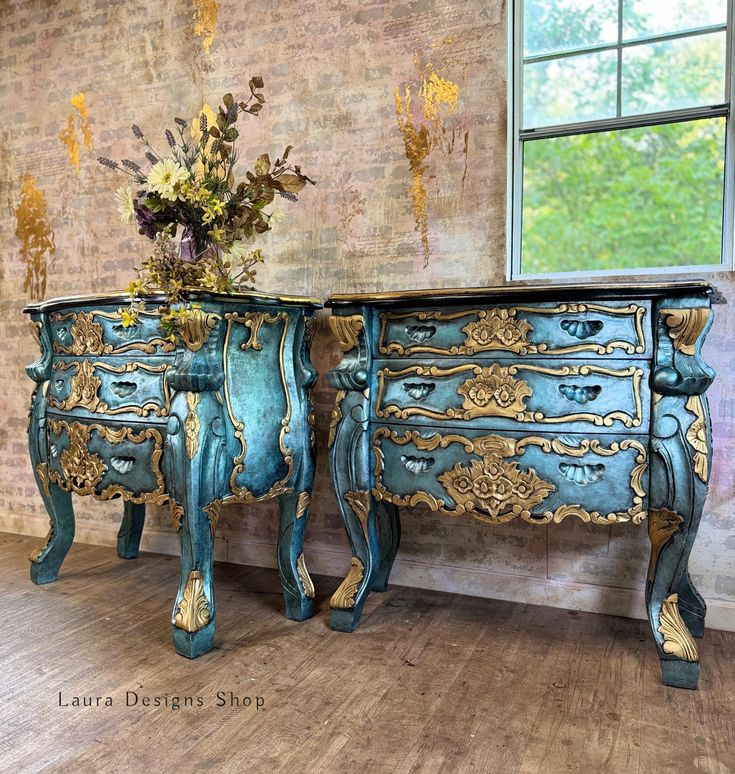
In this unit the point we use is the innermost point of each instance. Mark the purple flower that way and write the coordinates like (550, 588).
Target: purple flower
(147, 223)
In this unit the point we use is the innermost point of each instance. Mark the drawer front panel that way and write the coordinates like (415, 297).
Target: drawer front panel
(498, 477)
(106, 461)
(96, 332)
(99, 387)
(611, 329)
(614, 395)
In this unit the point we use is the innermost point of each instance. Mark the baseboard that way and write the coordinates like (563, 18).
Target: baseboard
(322, 560)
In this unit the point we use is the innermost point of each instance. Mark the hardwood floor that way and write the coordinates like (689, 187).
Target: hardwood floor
(430, 682)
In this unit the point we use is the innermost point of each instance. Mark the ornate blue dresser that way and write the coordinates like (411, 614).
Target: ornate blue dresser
(538, 403)
(222, 415)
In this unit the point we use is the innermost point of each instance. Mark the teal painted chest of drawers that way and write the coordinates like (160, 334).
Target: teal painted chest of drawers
(533, 403)
(221, 415)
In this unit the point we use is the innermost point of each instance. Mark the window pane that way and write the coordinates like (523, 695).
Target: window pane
(576, 88)
(673, 74)
(560, 25)
(634, 198)
(642, 18)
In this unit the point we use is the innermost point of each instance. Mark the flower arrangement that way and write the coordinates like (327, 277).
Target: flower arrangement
(193, 187)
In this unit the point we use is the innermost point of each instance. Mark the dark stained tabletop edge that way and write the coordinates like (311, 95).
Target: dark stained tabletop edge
(555, 292)
(121, 298)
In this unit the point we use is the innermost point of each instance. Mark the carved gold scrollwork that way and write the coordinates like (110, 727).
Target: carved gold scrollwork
(336, 416)
(498, 329)
(254, 321)
(177, 513)
(494, 392)
(36, 553)
(306, 581)
(500, 488)
(346, 330)
(196, 327)
(86, 334)
(192, 613)
(36, 328)
(82, 470)
(662, 524)
(302, 503)
(42, 473)
(192, 424)
(360, 504)
(685, 326)
(344, 597)
(696, 435)
(677, 639)
(213, 511)
(83, 389)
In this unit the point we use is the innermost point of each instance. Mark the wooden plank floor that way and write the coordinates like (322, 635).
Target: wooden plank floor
(430, 682)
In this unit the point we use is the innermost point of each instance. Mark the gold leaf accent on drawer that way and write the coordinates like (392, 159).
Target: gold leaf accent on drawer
(498, 328)
(495, 392)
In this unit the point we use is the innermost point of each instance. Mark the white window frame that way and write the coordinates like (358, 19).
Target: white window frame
(515, 155)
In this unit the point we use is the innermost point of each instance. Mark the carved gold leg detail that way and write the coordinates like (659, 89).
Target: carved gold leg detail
(677, 639)
(193, 611)
(305, 578)
(344, 597)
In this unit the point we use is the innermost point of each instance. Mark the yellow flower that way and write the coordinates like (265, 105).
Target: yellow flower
(165, 179)
(128, 317)
(126, 203)
(217, 234)
(212, 211)
(135, 287)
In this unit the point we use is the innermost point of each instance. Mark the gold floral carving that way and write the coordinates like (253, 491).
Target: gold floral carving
(494, 478)
(302, 503)
(336, 416)
(306, 581)
(344, 597)
(685, 326)
(360, 504)
(83, 389)
(81, 470)
(495, 392)
(696, 435)
(254, 321)
(196, 327)
(495, 490)
(177, 513)
(677, 639)
(192, 613)
(498, 329)
(192, 424)
(213, 511)
(491, 330)
(346, 330)
(662, 524)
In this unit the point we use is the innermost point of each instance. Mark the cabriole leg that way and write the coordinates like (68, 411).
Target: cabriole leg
(389, 535)
(131, 529)
(298, 589)
(46, 560)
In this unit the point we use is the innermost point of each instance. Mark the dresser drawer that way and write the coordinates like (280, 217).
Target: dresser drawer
(106, 460)
(497, 477)
(548, 329)
(615, 394)
(98, 332)
(110, 387)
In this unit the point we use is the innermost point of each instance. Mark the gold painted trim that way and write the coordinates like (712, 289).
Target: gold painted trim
(239, 493)
(696, 435)
(360, 504)
(517, 388)
(213, 511)
(82, 465)
(196, 328)
(493, 448)
(192, 425)
(509, 327)
(685, 326)
(663, 523)
(346, 329)
(36, 553)
(677, 639)
(41, 470)
(254, 321)
(176, 510)
(335, 417)
(302, 503)
(305, 578)
(192, 613)
(36, 328)
(88, 336)
(344, 597)
(84, 386)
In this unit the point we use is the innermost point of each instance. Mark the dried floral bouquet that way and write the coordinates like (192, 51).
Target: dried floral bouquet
(193, 186)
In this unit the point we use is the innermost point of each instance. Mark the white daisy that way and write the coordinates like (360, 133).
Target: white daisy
(165, 176)
(125, 203)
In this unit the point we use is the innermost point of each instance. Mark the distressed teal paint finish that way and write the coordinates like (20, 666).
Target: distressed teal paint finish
(224, 415)
(541, 404)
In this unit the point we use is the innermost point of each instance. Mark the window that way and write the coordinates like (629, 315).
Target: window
(621, 141)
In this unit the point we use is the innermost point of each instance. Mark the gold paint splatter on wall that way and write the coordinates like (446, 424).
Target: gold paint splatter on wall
(438, 92)
(36, 236)
(417, 145)
(205, 22)
(69, 135)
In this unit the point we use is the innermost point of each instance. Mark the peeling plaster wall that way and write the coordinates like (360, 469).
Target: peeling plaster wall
(398, 110)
